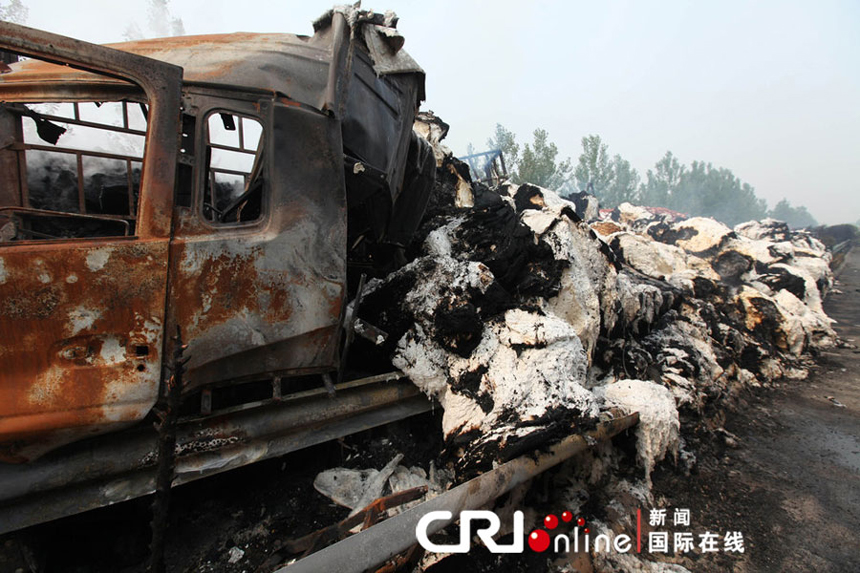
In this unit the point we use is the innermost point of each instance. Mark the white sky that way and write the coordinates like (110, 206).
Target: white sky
(770, 90)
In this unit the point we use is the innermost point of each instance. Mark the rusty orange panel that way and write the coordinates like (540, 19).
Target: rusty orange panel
(81, 320)
(249, 304)
(81, 324)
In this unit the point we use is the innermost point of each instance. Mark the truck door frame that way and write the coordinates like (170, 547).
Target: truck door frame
(82, 377)
(264, 298)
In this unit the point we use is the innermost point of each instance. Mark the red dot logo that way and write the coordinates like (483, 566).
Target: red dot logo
(566, 516)
(550, 521)
(539, 540)
(580, 522)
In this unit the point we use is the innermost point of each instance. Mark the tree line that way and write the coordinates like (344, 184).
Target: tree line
(697, 189)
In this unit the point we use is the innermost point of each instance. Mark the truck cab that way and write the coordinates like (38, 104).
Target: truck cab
(228, 187)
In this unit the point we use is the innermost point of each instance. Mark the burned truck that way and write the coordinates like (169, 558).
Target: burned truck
(232, 188)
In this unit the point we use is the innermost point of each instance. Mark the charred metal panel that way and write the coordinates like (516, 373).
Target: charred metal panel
(417, 184)
(81, 324)
(377, 128)
(266, 297)
(379, 116)
(122, 466)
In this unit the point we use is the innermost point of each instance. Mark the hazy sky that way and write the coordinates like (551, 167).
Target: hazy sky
(770, 90)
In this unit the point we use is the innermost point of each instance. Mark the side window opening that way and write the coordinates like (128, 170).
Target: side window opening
(235, 183)
(79, 166)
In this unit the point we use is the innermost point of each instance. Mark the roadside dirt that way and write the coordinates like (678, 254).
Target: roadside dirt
(791, 482)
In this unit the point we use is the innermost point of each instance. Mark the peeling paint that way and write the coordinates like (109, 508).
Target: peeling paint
(112, 351)
(46, 389)
(71, 340)
(97, 259)
(82, 318)
(192, 262)
(149, 328)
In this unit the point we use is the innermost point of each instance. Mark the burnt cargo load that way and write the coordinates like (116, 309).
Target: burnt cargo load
(225, 186)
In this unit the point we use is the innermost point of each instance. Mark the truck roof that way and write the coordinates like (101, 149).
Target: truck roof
(293, 65)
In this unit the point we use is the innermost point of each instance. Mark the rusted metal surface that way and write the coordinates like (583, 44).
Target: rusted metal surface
(122, 222)
(77, 360)
(277, 63)
(81, 321)
(369, 548)
(121, 466)
(266, 296)
(296, 66)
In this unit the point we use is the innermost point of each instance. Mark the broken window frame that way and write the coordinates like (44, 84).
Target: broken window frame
(260, 167)
(126, 96)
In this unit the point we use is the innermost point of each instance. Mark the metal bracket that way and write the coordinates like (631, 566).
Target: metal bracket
(349, 326)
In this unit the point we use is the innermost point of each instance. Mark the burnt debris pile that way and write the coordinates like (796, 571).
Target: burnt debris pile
(738, 306)
(525, 314)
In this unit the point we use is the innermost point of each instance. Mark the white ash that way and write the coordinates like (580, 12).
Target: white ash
(659, 260)
(587, 296)
(701, 234)
(547, 370)
(776, 276)
(658, 431)
(633, 216)
(438, 242)
(696, 305)
(235, 555)
(531, 361)
(358, 488)
(639, 302)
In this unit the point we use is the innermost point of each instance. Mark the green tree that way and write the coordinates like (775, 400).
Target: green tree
(538, 164)
(796, 217)
(701, 189)
(708, 191)
(594, 172)
(659, 183)
(624, 184)
(505, 140)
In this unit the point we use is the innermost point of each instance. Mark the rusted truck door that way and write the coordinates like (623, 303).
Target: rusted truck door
(82, 296)
(258, 260)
